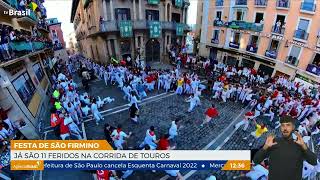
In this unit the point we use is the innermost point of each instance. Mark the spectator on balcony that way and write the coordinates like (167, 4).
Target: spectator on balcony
(22, 5)
(12, 36)
(102, 25)
(278, 27)
(4, 44)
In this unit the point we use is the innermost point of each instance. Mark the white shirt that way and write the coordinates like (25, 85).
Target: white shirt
(173, 129)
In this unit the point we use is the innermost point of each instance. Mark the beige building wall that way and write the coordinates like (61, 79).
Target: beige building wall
(293, 15)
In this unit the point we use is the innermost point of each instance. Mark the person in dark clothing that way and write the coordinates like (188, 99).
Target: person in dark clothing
(286, 155)
(108, 129)
(134, 113)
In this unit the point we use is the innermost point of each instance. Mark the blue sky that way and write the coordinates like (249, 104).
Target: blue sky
(61, 9)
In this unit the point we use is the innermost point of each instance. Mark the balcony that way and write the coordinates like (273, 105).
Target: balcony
(5, 5)
(252, 48)
(314, 69)
(218, 23)
(241, 3)
(234, 45)
(243, 25)
(168, 25)
(219, 2)
(271, 54)
(283, 4)
(140, 24)
(23, 48)
(301, 34)
(214, 41)
(31, 18)
(260, 3)
(278, 30)
(109, 26)
(309, 7)
(292, 60)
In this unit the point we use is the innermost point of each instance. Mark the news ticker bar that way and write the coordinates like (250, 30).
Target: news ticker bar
(98, 154)
(131, 165)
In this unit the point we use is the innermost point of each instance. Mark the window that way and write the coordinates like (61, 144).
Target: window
(218, 15)
(24, 87)
(302, 31)
(38, 71)
(236, 38)
(293, 57)
(176, 17)
(152, 15)
(215, 35)
(123, 14)
(316, 60)
(239, 15)
(259, 17)
(274, 45)
(254, 40)
(308, 5)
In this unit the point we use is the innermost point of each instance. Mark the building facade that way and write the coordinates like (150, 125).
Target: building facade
(56, 33)
(275, 37)
(115, 28)
(24, 78)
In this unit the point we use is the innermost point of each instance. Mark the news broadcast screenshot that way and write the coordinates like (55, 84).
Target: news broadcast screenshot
(160, 89)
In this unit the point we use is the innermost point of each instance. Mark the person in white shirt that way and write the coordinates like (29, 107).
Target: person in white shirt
(150, 139)
(173, 131)
(118, 137)
(96, 114)
(194, 101)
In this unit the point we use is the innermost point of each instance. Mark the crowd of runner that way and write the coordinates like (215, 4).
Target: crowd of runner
(261, 95)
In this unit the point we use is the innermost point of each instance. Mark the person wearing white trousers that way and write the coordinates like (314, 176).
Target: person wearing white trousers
(96, 114)
(194, 101)
(74, 130)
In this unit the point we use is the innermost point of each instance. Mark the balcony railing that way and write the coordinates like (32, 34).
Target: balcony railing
(271, 54)
(139, 24)
(241, 2)
(218, 23)
(168, 25)
(260, 2)
(301, 34)
(252, 48)
(215, 41)
(109, 26)
(278, 29)
(12, 3)
(314, 69)
(245, 26)
(306, 6)
(283, 3)
(219, 2)
(292, 60)
(234, 45)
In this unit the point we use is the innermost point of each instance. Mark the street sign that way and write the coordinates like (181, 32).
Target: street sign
(153, 2)
(125, 28)
(155, 29)
(179, 29)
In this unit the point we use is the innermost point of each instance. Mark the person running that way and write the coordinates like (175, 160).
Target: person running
(134, 113)
(150, 139)
(173, 131)
(211, 113)
(260, 129)
(96, 114)
(164, 143)
(248, 116)
(194, 101)
(119, 137)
